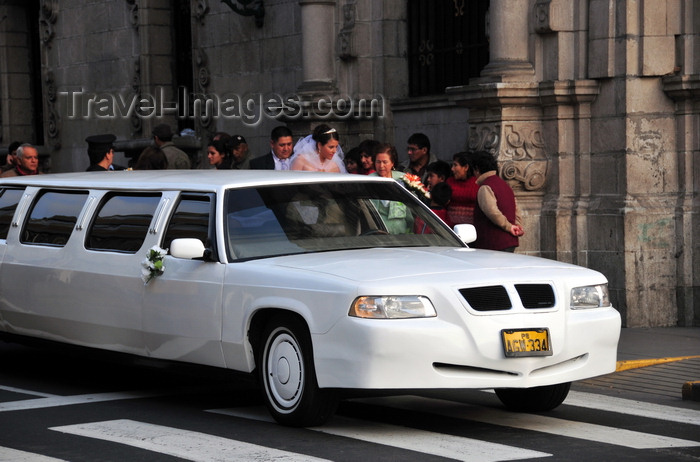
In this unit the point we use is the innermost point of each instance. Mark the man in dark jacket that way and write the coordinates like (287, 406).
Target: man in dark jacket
(281, 150)
(101, 152)
(163, 138)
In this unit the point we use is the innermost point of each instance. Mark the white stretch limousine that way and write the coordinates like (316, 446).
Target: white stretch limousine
(295, 276)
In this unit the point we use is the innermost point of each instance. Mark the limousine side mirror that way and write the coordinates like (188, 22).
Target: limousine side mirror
(187, 248)
(467, 233)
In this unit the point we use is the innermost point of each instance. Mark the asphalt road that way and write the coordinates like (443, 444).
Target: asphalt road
(72, 406)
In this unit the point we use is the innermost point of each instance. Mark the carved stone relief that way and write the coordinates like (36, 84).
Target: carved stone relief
(459, 7)
(203, 79)
(48, 15)
(134, 12)
(520, 151)
(522, 155)
(346, 50)
(201, 10)
(136, 124)
(54, 121)
(483, 137)
(202, 76)
(542, 17)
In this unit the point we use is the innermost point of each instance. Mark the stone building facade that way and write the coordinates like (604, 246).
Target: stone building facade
(592, 106)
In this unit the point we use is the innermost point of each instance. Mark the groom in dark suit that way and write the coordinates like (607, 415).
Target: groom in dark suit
(281, 149)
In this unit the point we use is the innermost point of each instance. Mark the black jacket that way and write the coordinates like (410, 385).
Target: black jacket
(264, 162)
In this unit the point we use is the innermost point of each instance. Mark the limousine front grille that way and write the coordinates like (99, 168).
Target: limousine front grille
(489, 298)
(536, 296)
(495, 298)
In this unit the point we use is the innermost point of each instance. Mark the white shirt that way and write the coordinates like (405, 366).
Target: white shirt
(282, 164)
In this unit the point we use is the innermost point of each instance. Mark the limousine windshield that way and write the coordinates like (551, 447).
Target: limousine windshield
(300, 218)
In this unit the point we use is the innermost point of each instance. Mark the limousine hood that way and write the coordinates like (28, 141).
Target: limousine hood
(385, 264)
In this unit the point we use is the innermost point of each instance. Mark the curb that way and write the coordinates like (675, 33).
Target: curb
(637, 363)
(691, 391)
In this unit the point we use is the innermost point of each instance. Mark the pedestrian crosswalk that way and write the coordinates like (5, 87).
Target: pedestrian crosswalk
(188, 444)
(533, 422)
(453, 447)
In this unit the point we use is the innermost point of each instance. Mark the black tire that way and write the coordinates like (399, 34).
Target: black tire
(287, 375)
(537, 399)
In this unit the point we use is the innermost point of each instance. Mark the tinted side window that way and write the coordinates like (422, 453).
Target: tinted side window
(191, 219)
(53, 217)
(9, 198)
(122, 222)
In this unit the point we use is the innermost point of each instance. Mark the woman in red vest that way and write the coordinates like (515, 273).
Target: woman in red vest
(464, 187)
(496, 216)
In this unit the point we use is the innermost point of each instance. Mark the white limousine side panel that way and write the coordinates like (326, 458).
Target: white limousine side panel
(69, 294)
(182, 312)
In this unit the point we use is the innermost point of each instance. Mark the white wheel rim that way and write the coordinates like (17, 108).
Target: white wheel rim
(284, 371)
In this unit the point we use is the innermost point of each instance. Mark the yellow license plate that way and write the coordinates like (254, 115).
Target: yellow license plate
(526, 342)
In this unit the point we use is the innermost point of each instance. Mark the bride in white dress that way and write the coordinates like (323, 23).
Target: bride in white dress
(319, 152)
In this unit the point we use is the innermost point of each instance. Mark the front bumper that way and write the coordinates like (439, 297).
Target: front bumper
(432, 353)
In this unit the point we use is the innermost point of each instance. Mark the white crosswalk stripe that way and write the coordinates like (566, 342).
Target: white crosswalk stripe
(454, 447)
(633, 407)
(539, 423)
(13, 455)
(25, 392)
(189, 445)
(53, 401)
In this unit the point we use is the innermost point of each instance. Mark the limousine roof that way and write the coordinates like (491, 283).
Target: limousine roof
(164, 180)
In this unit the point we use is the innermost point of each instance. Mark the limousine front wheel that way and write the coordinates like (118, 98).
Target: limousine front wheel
(287, 374)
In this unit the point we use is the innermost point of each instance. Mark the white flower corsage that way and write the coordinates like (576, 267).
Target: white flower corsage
(153, 265)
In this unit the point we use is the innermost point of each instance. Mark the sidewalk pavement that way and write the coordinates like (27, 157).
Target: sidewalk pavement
(642, 347)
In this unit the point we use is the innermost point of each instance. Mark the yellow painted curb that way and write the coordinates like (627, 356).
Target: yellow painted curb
(637, 363)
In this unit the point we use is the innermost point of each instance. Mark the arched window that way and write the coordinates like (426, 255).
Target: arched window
(447, 43)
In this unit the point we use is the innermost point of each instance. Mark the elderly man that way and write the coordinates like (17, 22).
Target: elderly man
(26, 163)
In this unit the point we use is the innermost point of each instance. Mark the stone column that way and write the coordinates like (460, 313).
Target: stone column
(508, 42)
(318, 91)
(318, 43)
(16, 99)
(685, 91)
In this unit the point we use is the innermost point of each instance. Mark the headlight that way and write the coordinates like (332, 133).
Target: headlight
(590, 297)
(392, 307)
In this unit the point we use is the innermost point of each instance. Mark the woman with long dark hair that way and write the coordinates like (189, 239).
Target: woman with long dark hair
(319, 152)
(464, 189)
(219, 154)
